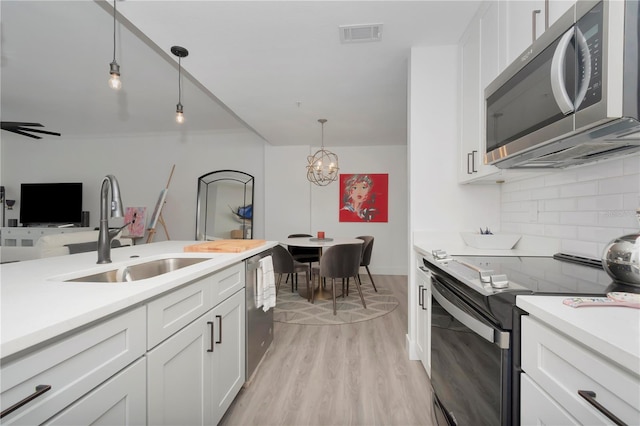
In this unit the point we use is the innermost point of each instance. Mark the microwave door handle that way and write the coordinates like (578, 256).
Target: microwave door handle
(558, 85)
(584, 84)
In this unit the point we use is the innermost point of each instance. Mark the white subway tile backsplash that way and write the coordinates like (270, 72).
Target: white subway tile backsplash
(561, 232)
(631, 164)
(598, 234)
(545, 193)
(601, 202)
(560, 205)
(617, 218)
(579, 218)
(581, 208)
(549, 217)
(619, 185)
(579, 189)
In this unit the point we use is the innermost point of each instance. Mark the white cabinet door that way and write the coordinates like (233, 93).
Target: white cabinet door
(557, 8)
(480, 58)
(423, 319)
(228, 352)
(119, 401)
(179, 375)
(470, 103)
(519, 23)
(538, 408)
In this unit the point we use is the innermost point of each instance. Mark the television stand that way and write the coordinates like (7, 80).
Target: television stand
(28, 236)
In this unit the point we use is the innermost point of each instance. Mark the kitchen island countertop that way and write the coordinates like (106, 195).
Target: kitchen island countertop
(36, 305)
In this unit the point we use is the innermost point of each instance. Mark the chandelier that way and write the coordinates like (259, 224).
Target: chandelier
(323, 165)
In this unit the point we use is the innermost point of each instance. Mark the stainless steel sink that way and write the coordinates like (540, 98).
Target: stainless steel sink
(140, 271)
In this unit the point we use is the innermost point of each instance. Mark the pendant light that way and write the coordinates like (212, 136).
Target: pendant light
(180, 52)
(114, 68)
(323, 165)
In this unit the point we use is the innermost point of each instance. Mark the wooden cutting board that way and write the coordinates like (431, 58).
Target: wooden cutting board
(224, 246)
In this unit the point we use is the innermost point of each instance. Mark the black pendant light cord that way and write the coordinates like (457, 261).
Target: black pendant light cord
(114, 30)
(179, 80)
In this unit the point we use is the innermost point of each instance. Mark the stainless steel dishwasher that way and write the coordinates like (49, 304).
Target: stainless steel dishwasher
(259, 323)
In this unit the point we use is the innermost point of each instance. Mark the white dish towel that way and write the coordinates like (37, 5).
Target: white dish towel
(266, 286)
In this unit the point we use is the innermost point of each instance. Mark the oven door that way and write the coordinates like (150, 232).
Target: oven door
(470, 363)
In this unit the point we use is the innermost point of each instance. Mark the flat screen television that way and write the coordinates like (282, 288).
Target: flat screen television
(50, 203)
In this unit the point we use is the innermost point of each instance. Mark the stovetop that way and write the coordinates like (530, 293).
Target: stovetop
(519, 275)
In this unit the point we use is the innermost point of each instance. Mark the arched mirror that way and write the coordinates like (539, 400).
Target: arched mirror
(225, 205)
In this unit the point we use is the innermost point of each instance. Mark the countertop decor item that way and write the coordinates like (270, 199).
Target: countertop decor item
(224, 246)
(621, 259)
(490, 241)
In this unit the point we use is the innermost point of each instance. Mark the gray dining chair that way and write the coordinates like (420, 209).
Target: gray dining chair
(308, 255)
(283, 263)
(367, 248)
(340, 261)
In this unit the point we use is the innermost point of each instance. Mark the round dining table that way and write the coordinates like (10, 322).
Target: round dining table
(320, 243)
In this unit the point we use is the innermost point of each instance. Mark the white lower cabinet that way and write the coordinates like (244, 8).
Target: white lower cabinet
(70, 368)
(193, 376)
(423, 318)
(561, 376)
(119, 401)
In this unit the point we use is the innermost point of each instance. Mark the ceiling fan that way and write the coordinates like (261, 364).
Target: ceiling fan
(22, 128)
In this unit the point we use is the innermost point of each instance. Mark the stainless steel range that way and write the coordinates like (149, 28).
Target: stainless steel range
(475, 327)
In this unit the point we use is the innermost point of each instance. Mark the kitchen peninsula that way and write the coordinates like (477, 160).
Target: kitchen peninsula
(97, 343)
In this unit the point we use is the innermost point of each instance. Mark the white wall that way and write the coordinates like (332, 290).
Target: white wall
(293, 205)
(581, 208)
(141, 164)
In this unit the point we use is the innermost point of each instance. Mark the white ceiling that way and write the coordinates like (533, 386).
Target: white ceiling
(275, 67)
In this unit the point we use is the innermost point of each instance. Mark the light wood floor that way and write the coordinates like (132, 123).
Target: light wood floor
(352, 374)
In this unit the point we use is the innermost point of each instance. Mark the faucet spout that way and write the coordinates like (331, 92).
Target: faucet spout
(105, 236)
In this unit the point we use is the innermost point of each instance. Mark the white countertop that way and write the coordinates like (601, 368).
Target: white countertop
(612, 331)
(36, 305)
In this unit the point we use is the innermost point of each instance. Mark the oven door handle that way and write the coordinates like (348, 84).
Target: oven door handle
(489, 333)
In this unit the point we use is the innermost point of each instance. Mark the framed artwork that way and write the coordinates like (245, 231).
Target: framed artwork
(364, 197)
(135, 217)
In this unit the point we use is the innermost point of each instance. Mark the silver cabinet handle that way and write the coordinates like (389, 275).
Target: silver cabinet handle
(546, 15)
(533, 24)
(590, 396)
(40, 389)
(420, 295)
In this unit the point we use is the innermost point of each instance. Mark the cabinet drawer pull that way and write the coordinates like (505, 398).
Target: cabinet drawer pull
(424, 307)
(420, 295)
(211, 324)
(473, 161)
(219, 328)
(469, 160)
(40, 389)
(590, 396)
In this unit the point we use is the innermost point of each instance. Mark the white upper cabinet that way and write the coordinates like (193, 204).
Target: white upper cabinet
(526, 20)
(479, 65)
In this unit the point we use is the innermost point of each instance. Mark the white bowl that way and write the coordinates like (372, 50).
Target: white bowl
(490, 241)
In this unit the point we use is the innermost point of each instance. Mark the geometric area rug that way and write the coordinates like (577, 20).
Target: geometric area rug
(291, 308)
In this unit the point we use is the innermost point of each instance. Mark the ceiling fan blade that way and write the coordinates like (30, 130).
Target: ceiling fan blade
(22, 128)
(39, 131)
(14, 130)
(9, 124)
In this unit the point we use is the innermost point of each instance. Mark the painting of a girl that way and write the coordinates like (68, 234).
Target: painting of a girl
(364, 197)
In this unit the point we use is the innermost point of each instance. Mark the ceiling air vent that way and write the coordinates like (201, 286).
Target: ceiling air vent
(360, 33)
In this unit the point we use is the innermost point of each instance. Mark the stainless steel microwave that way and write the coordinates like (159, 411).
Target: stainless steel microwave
(572, 96)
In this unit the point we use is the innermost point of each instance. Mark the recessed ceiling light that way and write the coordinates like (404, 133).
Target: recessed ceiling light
(360, 33)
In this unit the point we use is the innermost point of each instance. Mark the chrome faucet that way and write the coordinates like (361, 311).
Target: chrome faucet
(105, 235)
